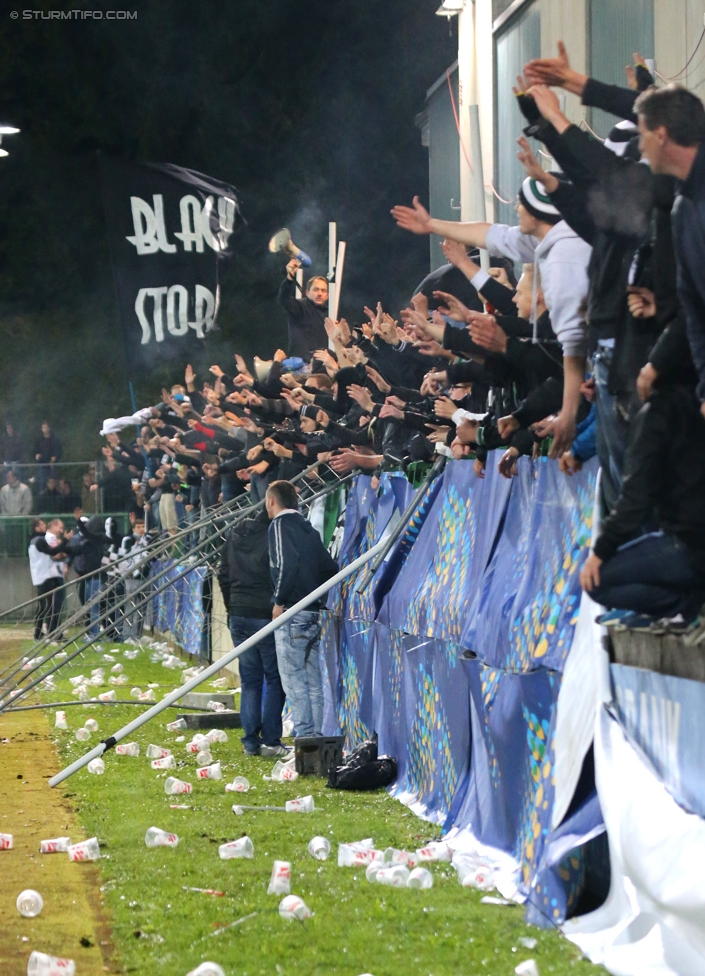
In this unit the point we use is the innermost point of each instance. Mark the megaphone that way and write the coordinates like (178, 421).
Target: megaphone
(282, 242)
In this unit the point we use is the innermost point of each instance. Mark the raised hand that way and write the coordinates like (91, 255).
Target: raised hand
(453, 307)
(533, 167)
(415, 219)
(189, 375)
(240, 363)
(456, 253)
(362, 396)
(419, 303)
(378, 381)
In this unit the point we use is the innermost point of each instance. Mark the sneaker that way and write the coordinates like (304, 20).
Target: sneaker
(252, 752)
(279, 750)
(642, 623)
(614, 618)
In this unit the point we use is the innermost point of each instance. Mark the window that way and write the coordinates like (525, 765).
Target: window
(616, 29)
(516, 42)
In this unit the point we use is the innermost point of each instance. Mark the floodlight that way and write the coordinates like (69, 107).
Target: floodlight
(449, 8)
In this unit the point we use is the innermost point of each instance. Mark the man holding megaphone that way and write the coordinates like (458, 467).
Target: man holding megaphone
(305, 316)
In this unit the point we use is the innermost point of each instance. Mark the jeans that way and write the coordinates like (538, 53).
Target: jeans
(298, 644)
(654, 574)
(261, 717)
(91, 591)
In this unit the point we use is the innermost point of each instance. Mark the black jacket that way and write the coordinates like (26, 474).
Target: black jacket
(304, 320)
(299, 562)
(47, 448)
(664, 474)
(244, 575)
(689, 238)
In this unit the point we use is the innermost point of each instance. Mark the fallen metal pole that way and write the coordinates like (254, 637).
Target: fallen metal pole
(174, 696)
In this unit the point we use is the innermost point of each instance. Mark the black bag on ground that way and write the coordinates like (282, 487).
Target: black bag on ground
(363, 770)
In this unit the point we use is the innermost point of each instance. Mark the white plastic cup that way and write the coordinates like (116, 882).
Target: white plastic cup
(7, 842)
(127, 749)
(395, 876)
(177, 725)
(372, 868)
(239, 785)
(157, 752)
(216, 706)
(352, 856)
(29, 903)
(406, 858)
(319, 847)
(476, 875)
(40, 964)
(292, 907)
(77, 680)
(242, 847)
(96, 766)
(54, 845)
(156, 837)
(91, 725)
(207, 969)
(168, 762)
(83, 735)
(210, 772)
(86, 850)
(135, 693)
(303, 804)
(116, 668)
(204, 758)
(217, 735)
(108, 696)
(60, 721)
(172, 785)
(420, 878)
(435, 851)
(280, 879)
(527, 968)
(146, 695)
(237, 810)
(82, 693)
(284, 772)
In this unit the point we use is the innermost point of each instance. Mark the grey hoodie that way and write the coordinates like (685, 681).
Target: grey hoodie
(562, 260)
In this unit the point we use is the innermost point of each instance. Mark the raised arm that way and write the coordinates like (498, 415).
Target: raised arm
(418, 220)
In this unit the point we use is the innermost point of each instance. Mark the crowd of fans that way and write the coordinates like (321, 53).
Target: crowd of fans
(597, 349)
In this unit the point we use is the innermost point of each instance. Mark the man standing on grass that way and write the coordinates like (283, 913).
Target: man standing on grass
(299, 563)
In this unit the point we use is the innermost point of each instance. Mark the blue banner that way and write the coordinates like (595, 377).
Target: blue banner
(664, 717)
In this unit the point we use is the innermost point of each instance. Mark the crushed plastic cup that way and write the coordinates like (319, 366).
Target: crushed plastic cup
(127, 749)
(280, 879)
(156, 837)
(86, 850)
(406, 858)
(207, 969)
(172, 786)
(157, 752)
(118, 679)
(77, 680)
(239, 785)
(204, 758)
(216, 706)
(177, 725)
(395, 876)
(292, 907)
(108, 658)
(29, 903)
(168, 762)
(96, 766)
(303, 804)
(116, 668)
(60, 721)
(91, 725)
(108, 696)
(145, 696)
(237, 810)
(435, 851)
(217, 735)
(82, 693)
(97, 681)
(41, 964)
(319, 847)
(7, 842)
(135, 693)
(83, 735)
(528, 942)
(130, 655)
(54, 845)
(284, 772)
(420, 878)
(242, 847)
(474, 874)
(210, 772)
(220, 683)
(527, 968)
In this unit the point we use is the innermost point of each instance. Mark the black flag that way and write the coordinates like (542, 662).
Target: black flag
(168, 228)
